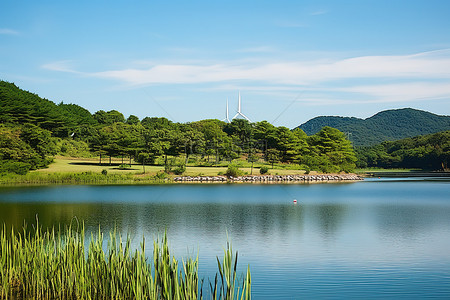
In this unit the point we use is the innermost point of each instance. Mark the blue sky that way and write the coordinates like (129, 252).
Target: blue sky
(290, 60)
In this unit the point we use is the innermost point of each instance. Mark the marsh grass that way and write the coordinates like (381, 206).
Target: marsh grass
(57, 264)
(66, 178)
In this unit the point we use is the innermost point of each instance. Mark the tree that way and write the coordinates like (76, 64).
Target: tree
(273, 156)
(288, 145)
(17, 155)
(133, 120)
(333, 150)
(252, 158)
(110, 117)
(241, 131)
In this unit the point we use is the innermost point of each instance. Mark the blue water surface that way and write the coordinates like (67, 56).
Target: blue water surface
(380, 238)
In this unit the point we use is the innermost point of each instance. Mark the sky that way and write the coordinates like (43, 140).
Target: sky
(289, 60)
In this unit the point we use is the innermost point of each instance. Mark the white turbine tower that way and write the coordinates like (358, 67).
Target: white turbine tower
(239, 113)
(227, 119)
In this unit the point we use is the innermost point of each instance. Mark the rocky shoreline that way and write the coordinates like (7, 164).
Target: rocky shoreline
(269, 178)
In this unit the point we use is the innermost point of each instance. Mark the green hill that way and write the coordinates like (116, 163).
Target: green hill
(387, 125)
(18, 107)
(428, 152)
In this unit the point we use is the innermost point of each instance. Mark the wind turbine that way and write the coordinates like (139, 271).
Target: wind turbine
(227, 119)
(239, 113)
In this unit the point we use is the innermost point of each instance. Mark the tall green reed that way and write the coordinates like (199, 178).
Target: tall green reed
(56, 264)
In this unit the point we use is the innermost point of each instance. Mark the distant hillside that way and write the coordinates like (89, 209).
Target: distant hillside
(427, 152)
(18, 107)
(387, 125)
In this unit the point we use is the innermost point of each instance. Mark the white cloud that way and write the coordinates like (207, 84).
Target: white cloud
(423, 75)
(403, 91)
(60, 66)
(419, 66)
(7, 31)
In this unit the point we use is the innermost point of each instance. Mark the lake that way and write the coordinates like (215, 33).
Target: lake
(380, 238)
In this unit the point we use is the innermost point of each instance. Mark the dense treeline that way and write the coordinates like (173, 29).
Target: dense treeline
(429, 152)
(34, 129)
(389, 125)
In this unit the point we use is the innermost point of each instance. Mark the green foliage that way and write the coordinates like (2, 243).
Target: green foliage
(330, 152)
(19, 107)
(133, 120)
(109, 118)
(26, 144)
(431, 152)
(54, 264)
(160, 175)
(78, 113)
(233, 171)
(228, 288)
(104, 172)
(72, 148)
(180, 169)
(47, 129)
(17, 167)
(67, 178)
(263, 170)
(387, 125)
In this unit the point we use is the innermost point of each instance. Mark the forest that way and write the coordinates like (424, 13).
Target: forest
(427, 152)
(33, 130)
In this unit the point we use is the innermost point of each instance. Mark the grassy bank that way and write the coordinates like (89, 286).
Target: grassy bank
(53, 264)
(88, 171)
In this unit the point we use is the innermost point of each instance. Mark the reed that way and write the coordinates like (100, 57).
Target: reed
(76, 178)
(57, 264)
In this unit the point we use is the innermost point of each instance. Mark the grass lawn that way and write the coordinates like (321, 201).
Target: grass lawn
(76, 165)
(368, 170)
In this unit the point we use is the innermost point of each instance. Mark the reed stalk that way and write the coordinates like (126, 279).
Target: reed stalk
(56, 264)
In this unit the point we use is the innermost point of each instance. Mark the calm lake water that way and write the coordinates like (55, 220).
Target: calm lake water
(387, 238)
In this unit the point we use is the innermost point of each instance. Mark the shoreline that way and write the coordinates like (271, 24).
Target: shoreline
(96, 179)
(269, 178)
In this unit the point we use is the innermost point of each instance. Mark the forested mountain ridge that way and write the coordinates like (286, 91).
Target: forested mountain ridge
(387, 125)
(19, 107)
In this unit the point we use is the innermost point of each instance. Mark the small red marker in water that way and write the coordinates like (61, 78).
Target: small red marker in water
(295, 201)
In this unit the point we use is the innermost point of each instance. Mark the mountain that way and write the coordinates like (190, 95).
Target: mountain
(388, 125)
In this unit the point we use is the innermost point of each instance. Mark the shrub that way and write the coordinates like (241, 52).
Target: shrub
(160, 175)
(263, 170)
(233, 171)
(17, 167)
(104, 172)
(180, 169)
(306, 168)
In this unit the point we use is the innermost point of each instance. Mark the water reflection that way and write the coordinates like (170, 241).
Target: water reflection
(376, 237)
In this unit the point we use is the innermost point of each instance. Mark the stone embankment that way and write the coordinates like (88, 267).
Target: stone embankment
(269, 178)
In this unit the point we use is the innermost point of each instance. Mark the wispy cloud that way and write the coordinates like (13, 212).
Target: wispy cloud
(61, 66)
(419, 66)
(402, 92)
(7, 31)
(423, 75)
